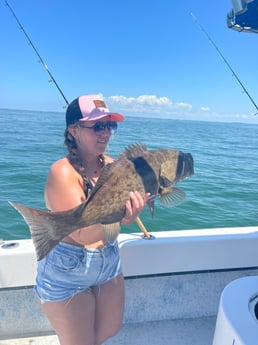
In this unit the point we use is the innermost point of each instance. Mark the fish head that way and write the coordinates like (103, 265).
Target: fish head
(174, 169)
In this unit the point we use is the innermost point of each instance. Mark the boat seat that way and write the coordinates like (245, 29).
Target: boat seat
(237, 319)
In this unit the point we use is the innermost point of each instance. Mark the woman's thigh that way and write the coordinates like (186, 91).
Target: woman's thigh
(109, 308)
(73, 319)
(88, 318)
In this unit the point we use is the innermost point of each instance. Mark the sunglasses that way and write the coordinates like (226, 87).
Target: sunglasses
(100, 127)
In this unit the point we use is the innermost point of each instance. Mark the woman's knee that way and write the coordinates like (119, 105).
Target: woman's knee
(103, 336)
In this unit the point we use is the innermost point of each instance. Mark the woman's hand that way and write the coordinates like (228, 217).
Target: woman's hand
(134, 206)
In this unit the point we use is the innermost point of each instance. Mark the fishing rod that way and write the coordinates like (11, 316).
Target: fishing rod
(52, 79)
(225, 60)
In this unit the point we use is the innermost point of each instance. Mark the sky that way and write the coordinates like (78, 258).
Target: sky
(147, 58)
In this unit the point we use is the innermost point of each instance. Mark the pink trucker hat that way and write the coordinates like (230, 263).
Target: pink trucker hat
(89, 108)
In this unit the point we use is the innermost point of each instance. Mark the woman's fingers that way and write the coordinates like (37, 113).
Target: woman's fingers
(134, 206)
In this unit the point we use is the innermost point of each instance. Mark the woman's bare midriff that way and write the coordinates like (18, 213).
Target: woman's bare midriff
(87, 237)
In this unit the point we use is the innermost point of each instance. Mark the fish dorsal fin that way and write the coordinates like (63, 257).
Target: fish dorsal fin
(133, 151)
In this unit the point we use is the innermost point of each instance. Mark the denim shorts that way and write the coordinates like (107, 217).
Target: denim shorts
(68, 270)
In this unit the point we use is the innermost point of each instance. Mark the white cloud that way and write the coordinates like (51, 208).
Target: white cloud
(185, 106)
(205, 109)
(141, 100)
(148, 104)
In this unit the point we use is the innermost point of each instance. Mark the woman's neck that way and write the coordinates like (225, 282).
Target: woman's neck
(92, 166)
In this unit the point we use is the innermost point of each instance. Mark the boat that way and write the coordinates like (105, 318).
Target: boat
(202, 289)
(172, 300)
(243, 16)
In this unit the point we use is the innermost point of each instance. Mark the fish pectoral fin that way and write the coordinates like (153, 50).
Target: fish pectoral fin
(170, 197)
(111, 231)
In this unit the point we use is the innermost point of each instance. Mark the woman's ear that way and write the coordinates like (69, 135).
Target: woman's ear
(72, 131)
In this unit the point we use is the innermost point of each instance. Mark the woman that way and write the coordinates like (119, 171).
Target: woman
(80, 282)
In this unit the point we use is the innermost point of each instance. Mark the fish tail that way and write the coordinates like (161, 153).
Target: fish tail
(40, 227)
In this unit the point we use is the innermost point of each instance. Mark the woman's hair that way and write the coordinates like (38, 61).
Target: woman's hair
(74, 158)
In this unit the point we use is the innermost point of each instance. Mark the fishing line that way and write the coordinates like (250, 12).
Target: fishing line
(224, 59)
(52, 79)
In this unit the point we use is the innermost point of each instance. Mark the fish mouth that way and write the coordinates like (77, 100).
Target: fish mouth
(185, 166)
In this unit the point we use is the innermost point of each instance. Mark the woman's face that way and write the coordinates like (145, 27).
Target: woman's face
(92, 137)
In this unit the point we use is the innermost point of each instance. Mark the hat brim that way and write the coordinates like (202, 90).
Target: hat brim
(116, 117)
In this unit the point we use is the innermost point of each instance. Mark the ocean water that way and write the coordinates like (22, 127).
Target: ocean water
(222, 193)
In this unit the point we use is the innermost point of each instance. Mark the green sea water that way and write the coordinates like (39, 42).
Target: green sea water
(222, 193)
